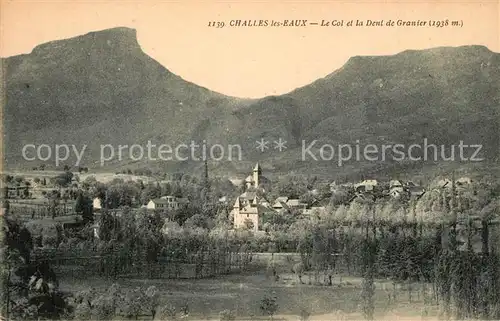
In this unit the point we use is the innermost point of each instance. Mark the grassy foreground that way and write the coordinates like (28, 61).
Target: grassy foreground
(243, 294)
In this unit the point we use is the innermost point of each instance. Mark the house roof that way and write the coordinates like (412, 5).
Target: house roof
(464, 180)
(280, 204)
(165, 200)
(265, 203)
(294, 202)
(396, 191)
(237, 202)
(249, 179)
(370, 181)
(160, 201)
(250, 198)
(395, 183)
(258, 209)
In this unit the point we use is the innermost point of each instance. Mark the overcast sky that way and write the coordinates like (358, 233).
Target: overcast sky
(252, 61)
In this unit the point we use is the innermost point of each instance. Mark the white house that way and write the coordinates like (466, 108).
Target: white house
(296, 203)
(463, 181)
(96, 203)
(396, 189)
(167, 202)
(366, 185)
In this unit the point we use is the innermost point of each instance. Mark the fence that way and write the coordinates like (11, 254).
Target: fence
(29, 211)
(115, 264)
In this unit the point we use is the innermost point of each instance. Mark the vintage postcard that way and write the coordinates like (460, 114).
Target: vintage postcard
(250, 160)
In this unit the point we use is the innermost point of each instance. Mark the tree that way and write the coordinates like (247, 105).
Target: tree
(198, 220)
(103, 308)
(80, 203)
(269, 305)
(168, 312)
(292, 186)
(272, 266)
(149, 192)
(83, 205)
(31, 289)
(222, 217)
(304, 314)
(64, 179)
(152, 296)
(248, 224)
(107, 226)
(133, 302)
(307, 198)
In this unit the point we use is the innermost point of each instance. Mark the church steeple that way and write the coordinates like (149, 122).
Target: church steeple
(257, 172)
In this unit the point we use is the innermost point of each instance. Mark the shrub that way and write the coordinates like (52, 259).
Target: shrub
(49, 241)
(168, 312)
(304, 314)
(103, 308)
(152, 302)
(83, 311)
(298, 269)
(268, 305)
(227, 315)
(133, 303)
(339, 315)
(367, 296)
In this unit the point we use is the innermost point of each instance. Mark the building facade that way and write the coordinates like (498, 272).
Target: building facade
(167, 203)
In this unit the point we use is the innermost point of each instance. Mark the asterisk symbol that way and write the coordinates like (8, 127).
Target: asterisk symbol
(280, 144)
(262, 144)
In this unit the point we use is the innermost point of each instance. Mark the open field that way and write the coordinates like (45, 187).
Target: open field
(242, 293)
(106, 177)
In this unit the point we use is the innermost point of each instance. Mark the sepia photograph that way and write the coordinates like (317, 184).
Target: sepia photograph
(250, 160)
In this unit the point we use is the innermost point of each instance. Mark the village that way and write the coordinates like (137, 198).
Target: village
(52, 194)
(295, 232)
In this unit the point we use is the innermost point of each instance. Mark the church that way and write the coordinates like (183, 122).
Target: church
(248, 207)
(256, 179)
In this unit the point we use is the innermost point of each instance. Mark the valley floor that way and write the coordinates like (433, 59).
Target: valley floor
(242, 293)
